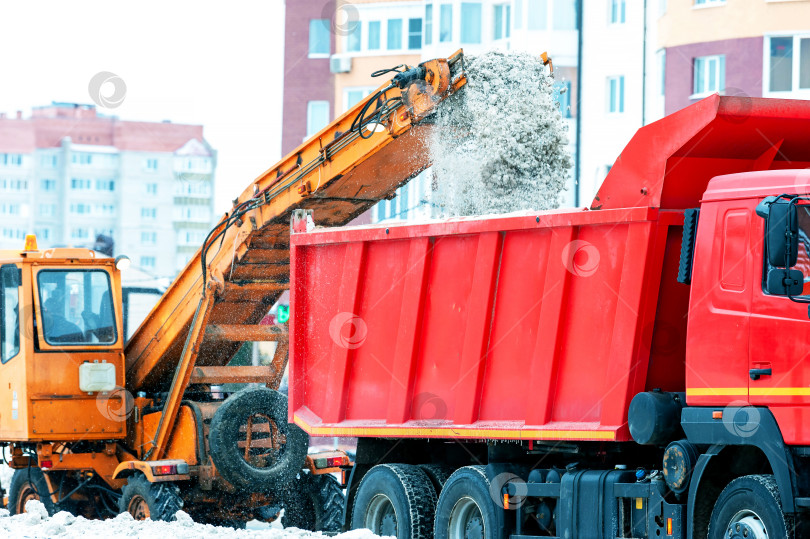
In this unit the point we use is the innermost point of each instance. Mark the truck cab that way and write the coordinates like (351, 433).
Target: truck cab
(61, 346)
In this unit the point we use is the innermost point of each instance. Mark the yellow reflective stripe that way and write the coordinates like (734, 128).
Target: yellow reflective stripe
(715, 391)
(448, 432)
(754, 391)
(780, 391)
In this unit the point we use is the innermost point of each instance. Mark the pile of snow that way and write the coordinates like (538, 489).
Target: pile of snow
(36, 523)
(500, 142)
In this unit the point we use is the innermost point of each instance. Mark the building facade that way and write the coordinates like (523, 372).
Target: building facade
(69, 175)
(757, 48)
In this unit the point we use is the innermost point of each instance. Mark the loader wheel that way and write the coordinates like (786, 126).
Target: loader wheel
(466, 508)
(251, 443)
(156, 501)
(397, 500)
(750, 507)
(28, 484)
(314, 503)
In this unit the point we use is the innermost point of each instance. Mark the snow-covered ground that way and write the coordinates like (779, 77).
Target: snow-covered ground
(36, 523)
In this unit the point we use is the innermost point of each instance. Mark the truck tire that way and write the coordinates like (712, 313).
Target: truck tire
(750, 507)
(28, 484)
(438, 475)
(395, 500)
(314, 503)
(466, 508)
(270, 469)
(156, 501)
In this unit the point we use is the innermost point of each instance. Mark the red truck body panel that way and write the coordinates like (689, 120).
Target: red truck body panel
(504, 327)
(540, 326)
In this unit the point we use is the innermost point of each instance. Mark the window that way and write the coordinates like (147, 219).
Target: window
(148, 213)
(789, 63)
(199, 189)
(193, 164)
(76, 307)
(518, 14)
(445, 23)
(352, 96)
(47, 210)
(14, 233)
(394, 34)
(193, 238)
(374, 35)
(48, 161)
(616, 94)
(7, 208)
(151, 165)
(11, 159)
(470, 22)
(319, 37)
(80, 233)
(354, 37)
(80, 184)
(43, 233)
(149, 238)
(105, 185)
(617, 11)
(428, 24)
(9, 312)
(537, 14)
(565, 14)
(497, 20)
(148, 262)
(107, 210)
(662, 70)
(83, 159)
(151, 188)
(79, 209)
(709, 2)
(47, 185)
(13, 185)
(198, 214)
(562, 95)
(317, 116)
(414, 33)
(709, 75)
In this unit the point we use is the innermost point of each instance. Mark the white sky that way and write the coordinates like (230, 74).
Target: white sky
(219, 64)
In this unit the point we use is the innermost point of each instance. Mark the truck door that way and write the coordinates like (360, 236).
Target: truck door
(779, 363)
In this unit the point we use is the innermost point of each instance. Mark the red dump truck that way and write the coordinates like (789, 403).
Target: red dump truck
(639, 368)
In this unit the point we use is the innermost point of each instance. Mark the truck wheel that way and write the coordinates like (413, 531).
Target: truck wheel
(314, 503)
(396, 500)
(438, 475)
(156, 501)
(28, 484)
(271, 456)
(466, 508)
(749, 507)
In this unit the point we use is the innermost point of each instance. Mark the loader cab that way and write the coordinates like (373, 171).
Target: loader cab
(61, 346)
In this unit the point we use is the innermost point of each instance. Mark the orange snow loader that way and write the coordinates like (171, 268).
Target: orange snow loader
(96, 425)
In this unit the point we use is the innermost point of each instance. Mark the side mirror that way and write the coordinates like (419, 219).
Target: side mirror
(785, 282)
(782, 237)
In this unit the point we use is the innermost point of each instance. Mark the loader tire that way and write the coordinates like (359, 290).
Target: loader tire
(144, 500)
(28, 484)
(397, 500)
(269, 469)
(314, 503)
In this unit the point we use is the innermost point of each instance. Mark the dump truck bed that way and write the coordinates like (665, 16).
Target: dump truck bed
(536, 326)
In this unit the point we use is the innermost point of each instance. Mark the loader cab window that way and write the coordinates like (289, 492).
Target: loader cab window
(9, 312)
(76, 307)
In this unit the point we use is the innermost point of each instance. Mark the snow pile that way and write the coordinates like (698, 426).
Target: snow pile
(36, 523)
(500, 142)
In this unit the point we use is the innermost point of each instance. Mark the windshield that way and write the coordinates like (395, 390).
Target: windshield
(76, 307)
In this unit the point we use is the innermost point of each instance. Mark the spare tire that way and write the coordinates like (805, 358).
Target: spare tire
(276, 451)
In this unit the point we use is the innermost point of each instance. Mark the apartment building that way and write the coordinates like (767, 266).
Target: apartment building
(69, 175)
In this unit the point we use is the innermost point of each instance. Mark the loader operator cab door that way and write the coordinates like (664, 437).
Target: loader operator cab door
(75, 308)
(9, 312)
